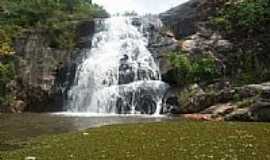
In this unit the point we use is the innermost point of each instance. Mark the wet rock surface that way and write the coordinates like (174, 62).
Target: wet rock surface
(144, 99)
(161, 42)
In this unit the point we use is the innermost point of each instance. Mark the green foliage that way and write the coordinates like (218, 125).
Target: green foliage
(7, 73)
(249, 68)
(61, 35)
(7, 34)
(187, 70)
(56, 16)
(244, 15)
(246, 23)
(168, 140)
(5, 44)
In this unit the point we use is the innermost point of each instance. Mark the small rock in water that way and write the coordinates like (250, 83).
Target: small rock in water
(85, 134)
(30, 158)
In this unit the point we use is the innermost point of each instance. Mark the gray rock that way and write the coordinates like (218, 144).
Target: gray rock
(161, 43)
(239, 115)
(45, 73)
(171, 104)
(220, 109)
(186, 18)
(223, 45)
(261, 111)
(136, 22)
(215, 36)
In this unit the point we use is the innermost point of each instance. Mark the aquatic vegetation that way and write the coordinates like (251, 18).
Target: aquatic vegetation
(183, 140)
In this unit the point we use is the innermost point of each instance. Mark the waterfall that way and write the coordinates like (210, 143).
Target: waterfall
(118, 74)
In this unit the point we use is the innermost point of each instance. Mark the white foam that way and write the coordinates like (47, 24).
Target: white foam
(85, 114)
(97, 91)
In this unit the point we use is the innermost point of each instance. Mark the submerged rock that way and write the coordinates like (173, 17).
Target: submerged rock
(30, 158)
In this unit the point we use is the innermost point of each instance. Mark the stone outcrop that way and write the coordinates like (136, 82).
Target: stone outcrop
(160, 42)
(246, 103)
(44, 74)
(184, 19)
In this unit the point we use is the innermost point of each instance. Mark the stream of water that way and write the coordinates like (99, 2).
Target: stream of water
(118, 75)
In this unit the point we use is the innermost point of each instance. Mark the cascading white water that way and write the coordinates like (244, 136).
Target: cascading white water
(119, 74)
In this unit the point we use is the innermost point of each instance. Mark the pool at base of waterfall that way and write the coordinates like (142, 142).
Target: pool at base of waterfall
(23, 127)
(112, 115)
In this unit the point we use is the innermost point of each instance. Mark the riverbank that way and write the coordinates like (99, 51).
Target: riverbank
(164, 140)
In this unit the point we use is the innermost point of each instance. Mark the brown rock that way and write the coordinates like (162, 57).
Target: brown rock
(202, 117)
(18, 106)
(189, 45)
(220, 109)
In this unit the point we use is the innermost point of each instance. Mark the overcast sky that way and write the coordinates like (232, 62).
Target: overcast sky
(140, 6)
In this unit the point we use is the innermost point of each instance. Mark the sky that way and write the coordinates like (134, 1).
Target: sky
(140, 6)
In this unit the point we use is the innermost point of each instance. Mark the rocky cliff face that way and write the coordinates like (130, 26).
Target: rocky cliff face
(184, 19)
(221, 99)
(44, 74)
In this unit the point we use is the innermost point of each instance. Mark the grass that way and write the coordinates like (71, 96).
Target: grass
(185, 140)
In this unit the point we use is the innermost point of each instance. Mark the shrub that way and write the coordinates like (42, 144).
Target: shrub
(244, 15)
(187, 70)
(7, 73)
(55, 16)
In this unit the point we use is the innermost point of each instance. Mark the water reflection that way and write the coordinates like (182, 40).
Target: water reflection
(24, 126)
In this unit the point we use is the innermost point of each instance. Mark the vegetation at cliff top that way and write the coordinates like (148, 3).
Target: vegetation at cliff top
(246, 23)
(187, 140)
(244, 15)
(17, 16)
(56, 19)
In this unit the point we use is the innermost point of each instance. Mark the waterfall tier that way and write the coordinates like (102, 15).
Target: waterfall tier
(118, 75)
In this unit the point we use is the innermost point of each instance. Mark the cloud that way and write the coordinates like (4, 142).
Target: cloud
(140, 6)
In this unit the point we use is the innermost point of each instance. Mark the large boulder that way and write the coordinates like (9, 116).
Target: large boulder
(239, 115)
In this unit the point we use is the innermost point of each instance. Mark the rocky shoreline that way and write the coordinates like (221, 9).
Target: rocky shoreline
(219, 99)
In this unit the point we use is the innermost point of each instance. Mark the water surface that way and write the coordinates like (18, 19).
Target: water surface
(17, 129)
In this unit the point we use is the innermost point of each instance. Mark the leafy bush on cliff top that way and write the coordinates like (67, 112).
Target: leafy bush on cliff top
(244, 15)
(246, 23)
(33, 14)
(55, 17)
